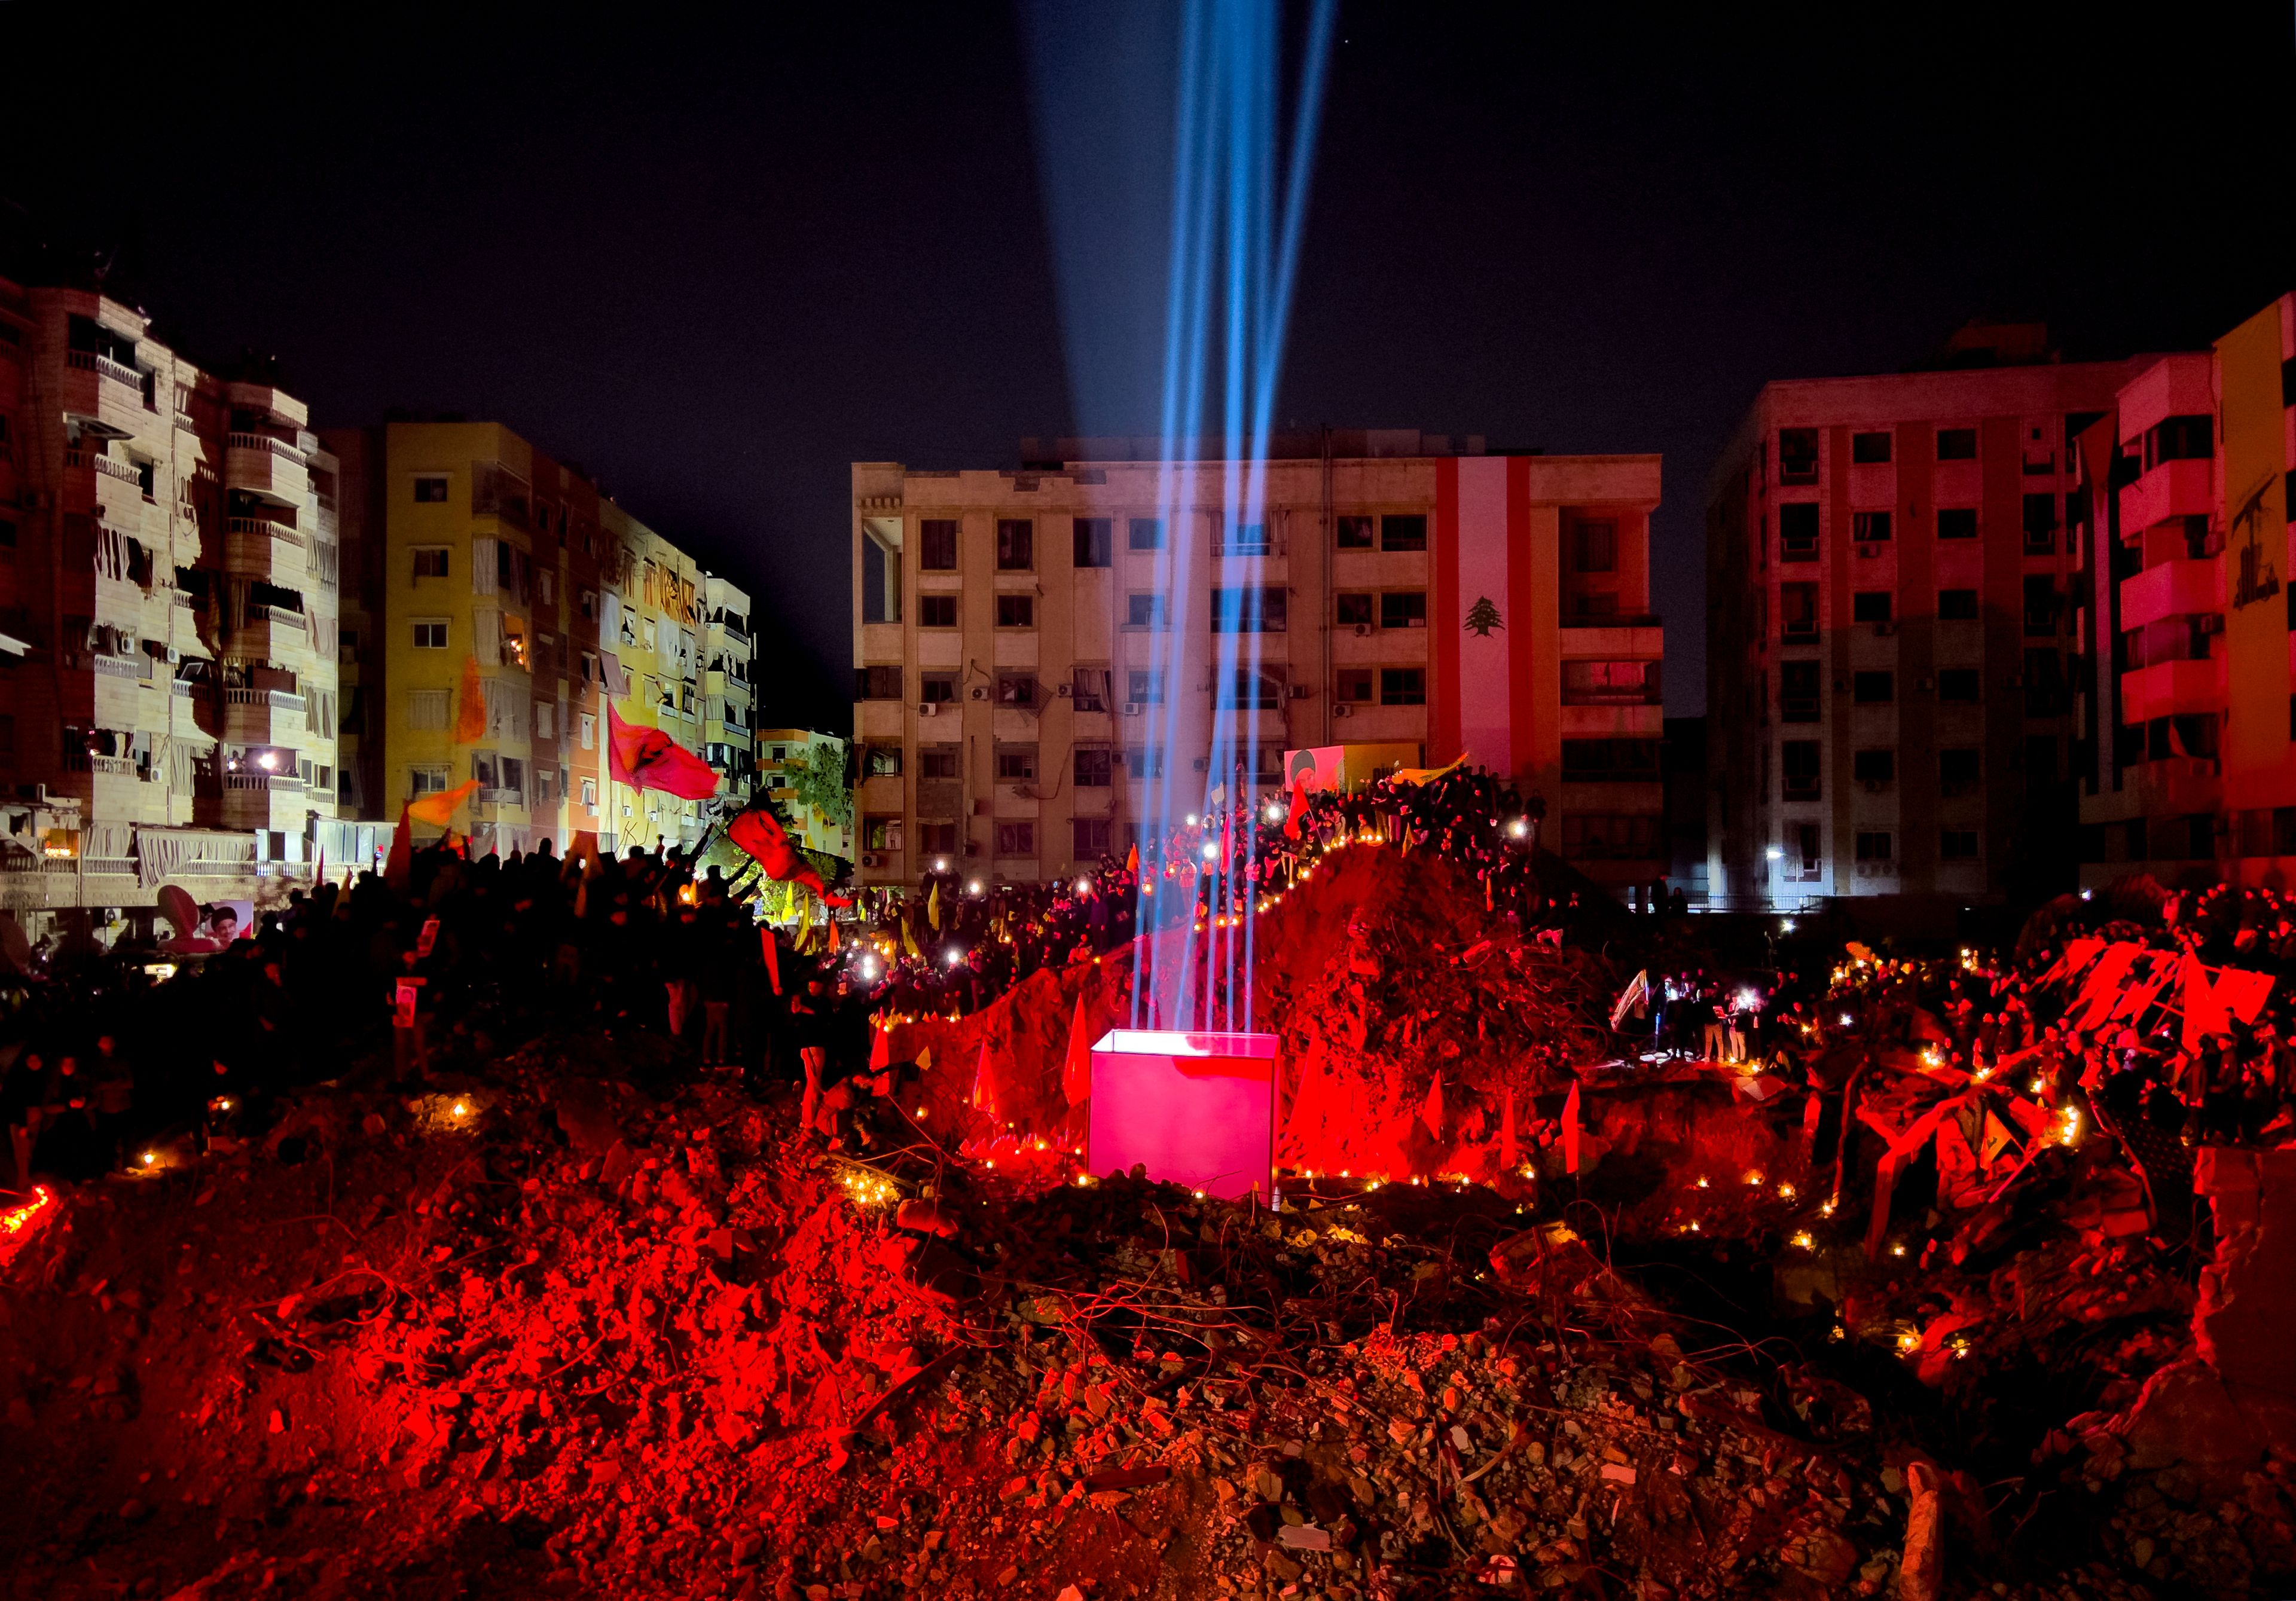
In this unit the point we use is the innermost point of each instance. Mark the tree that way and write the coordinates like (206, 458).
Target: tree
(821, 783)
(1482, 617)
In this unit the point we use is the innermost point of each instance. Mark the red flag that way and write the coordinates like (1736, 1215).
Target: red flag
(400, 865)
(881, 1050)
(1431, 1113)
(1298, 806)
(764, 838)
(471, 716)
(647, 759)
(1570, 1131)
(773, 955)
(1076, 1072)
(1506, 1134)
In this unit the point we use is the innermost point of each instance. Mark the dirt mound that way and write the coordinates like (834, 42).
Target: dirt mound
(1381, 971)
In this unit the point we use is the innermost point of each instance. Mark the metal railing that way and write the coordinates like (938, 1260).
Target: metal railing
(263, 441)
(262, 527)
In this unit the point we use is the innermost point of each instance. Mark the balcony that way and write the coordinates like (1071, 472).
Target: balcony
(1621, 638)
(263, 717)
(2167, 687)
(258, 548)
(109, 392)
(268, 631)
(2171, 589)
(2175, 786)
(258, 464)
(2178, 488)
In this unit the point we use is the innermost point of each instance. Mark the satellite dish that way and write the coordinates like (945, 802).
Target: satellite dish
(180, 911)
(14, 945)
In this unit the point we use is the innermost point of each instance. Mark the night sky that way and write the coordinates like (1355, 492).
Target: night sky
(715, 264)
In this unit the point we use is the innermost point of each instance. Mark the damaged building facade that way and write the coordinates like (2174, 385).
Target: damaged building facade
(1011, 630)
(169, 586)
(2186, 619)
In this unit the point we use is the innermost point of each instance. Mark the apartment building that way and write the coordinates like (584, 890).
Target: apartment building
(782, 754)
(169, 582)
(501, 567)
(1888, 697)
(1027, 668)
(2186, 619)
(729, 719)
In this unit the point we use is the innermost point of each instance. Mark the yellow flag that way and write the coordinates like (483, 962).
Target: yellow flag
(1423, 774)
(1996, 1138)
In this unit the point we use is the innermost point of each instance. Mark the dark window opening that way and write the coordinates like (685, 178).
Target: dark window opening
(1095, 541)
(1869, 449)
(937, 545)
(1798, 455)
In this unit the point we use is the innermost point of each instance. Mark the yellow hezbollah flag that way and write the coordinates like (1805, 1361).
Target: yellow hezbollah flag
(440, 809)
(1423, 774)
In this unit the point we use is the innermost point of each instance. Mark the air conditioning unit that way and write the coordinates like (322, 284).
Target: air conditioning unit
(928, 708)
(1300, 692)
(1883, 630)
(980, 691)
(868, 859)
(1363, 630)
(1203, 763)
(1065, 691)
(1929, 683)
(1133, 709)
(1343, 709)
(1869, 550)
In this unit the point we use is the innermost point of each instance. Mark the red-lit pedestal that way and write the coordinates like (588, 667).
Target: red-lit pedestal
(1192, 1109)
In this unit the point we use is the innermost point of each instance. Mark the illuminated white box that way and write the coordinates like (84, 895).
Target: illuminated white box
(1192, 1109)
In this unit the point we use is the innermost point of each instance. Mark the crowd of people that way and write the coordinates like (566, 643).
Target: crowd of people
(100, 1058)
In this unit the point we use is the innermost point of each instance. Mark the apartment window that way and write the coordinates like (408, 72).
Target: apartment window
(1144, 761)
(1869, 527)
(1798, 766)
(545, 586)
(935, 689)
(1958, 685)
(1870, 605)
(430, 561)
(1016, 545)
(1088, 689)
(1016, 611)
(1016, 838)
(2040, 606)
(1872, 688)
(1242, 539)
(1017, 691)
(877, 683)
(1872, 845)
(1352, 533)
(937, 838)
(1958, 605)
(430, 633)
(937, 762)
(1957, 771)
(1874, 768)
(1610, 760)
(1610, 683)
(2040, 522)
(1869, 449)
(1957, 523)
(1798, 532)
(1146, 533)
(1798, 692)
(937, 545)
(590, 795)
(1354, 611)
(1595, 546)
(1016, 764)
(425, 781)
(430, 488)
(1146, 611)
(1797, 455)
(882, 761)
(1798, 611)
(1805, 843)
(589, 731)
(429, 709)
(935, 610)
(1402, 686)
(1403, 609)
(1092, 767)
(590, 602)
(1256, 611)
(513, 777)
(1957, 445)
(1144, 687)
(1400, 532)
(1251, 689)
(2179, 439)
(1090, 837)
(1095, 541)
(1355, 687)
(881, 833)
(1957, 844)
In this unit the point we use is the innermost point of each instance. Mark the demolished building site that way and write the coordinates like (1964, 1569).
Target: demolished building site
(1537, 1307)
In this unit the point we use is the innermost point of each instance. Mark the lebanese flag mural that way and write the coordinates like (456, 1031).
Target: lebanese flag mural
(1484, 586)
